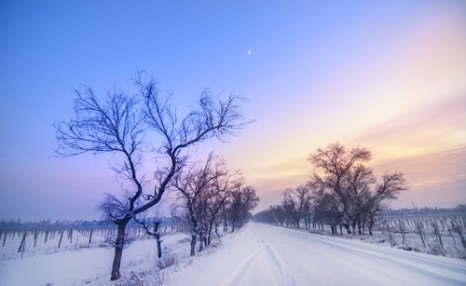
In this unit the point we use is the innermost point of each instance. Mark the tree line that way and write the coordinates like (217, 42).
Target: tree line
(143, 130)
(211, 196)
(343, 193)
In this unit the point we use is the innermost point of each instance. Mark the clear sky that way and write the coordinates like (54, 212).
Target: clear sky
(387, 75)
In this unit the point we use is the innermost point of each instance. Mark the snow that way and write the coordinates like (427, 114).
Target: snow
(258, 254)
(80, 266)
(266, 255)
(61, 268)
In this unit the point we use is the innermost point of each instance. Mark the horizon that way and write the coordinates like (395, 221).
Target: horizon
(386, 76)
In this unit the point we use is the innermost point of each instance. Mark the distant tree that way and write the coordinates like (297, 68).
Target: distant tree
(327, 209)
(117, 125)
(296, 204)
(243, 201)
(278, 214)
(337, 163)
(345, 174)
(273, 215)
(289, 208)
(218, 199)
(378, 196)
(203, 191)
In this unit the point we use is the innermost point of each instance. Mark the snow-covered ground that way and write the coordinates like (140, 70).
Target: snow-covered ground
(266, 255)
(258, 254)
(49, 265)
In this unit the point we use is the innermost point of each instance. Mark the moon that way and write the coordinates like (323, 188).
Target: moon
(249, 52)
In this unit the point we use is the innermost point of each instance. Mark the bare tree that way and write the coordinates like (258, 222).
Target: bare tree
(204, 190)
(274, 215)
(117, 125)
(345, 174)
(192, 184)
(336, 163)
(327, 208)
(377, 198)
(296, 205)
(289, 208)
(243, 200)
(152, 225)
(218, 198)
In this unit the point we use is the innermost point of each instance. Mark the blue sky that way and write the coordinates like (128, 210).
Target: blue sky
(359, 72)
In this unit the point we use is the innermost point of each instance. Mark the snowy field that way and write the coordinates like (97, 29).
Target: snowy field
(78, 263)
(258, 254)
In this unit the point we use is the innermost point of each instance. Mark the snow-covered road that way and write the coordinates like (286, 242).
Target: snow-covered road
(266, 255)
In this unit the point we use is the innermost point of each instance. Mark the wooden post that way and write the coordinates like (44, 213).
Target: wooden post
(61, 237)
(4, 238)
(23, 243)
(90, 236)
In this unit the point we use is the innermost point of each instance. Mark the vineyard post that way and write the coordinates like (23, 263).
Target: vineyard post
(402, 228)
(22, 245)
(4, 238)
(90, 236)
(420, 227)
(61, 237)
(36, 235)
(458, 230)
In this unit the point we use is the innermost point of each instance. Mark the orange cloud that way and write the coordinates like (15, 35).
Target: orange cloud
(432, 129)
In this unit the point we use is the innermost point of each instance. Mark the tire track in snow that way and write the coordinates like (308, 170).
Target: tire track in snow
(263, 257)
(237, 273)
(278, 266)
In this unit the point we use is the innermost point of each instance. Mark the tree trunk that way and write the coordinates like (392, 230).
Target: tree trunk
(346, 219)
(119, 244)
(157, 238)
(216, 230)
(201, 243)
(347, 227)
(159, 245)
(371, 223)
(193, 245)
(209, 233)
